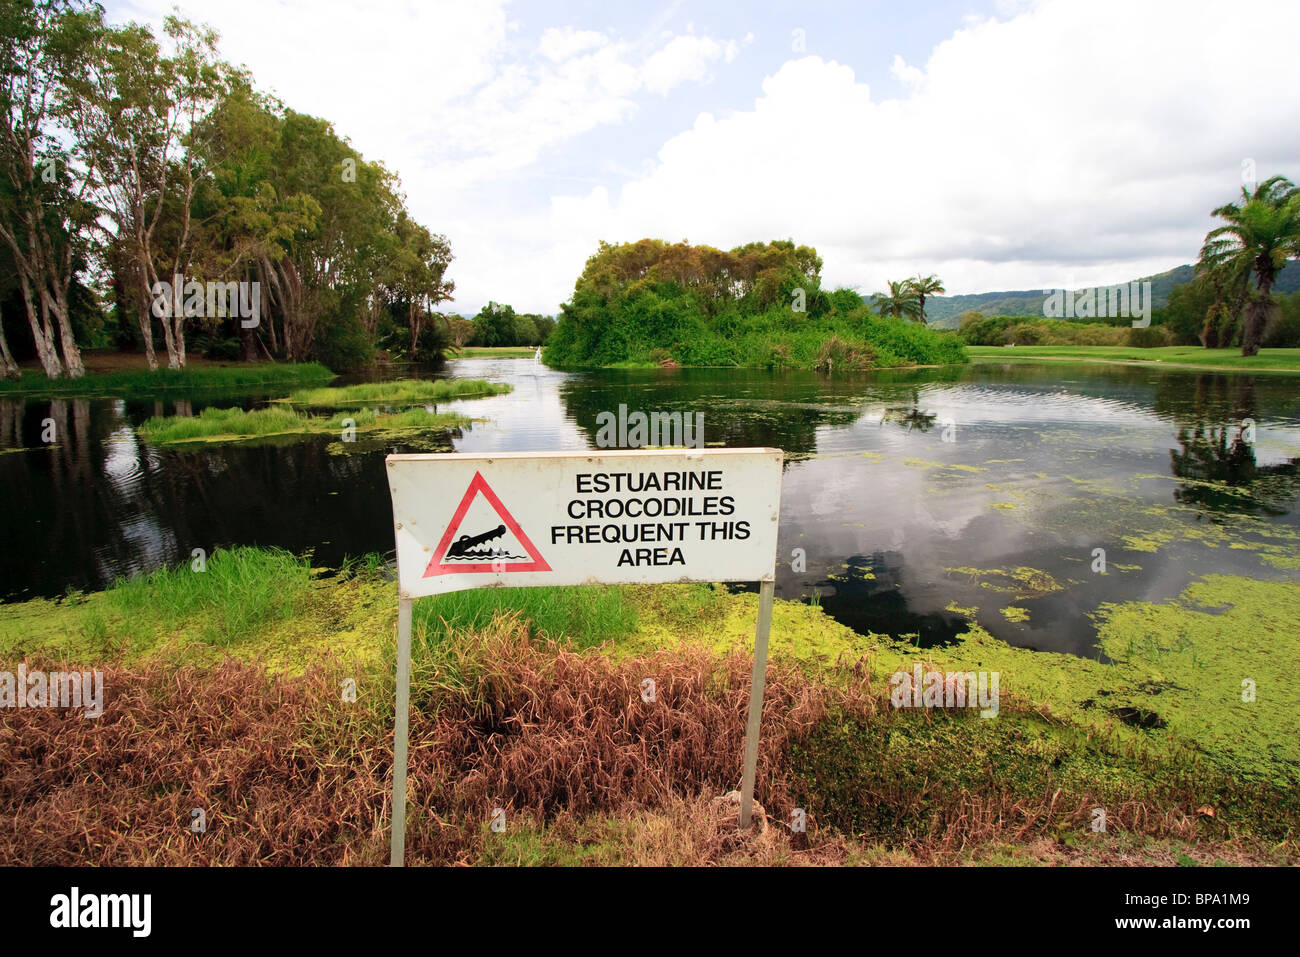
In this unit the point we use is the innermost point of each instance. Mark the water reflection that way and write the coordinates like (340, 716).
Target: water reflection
(908, 528)
(1225, 475)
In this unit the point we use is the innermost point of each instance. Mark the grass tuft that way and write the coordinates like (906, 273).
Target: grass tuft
(240, 591)
(214, 424)
(401, 390)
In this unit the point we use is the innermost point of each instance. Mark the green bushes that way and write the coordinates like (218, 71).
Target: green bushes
(759, 305)
(1151, 337)
(343, 345)
(1023, 331)
(1283, 329)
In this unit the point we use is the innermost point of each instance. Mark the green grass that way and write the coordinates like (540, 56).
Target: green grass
(234, 425)
(585, 615)
(250, 377)
(494, 352)
(401, 390)
(1268, 360)
(239, 591)
(267, 605)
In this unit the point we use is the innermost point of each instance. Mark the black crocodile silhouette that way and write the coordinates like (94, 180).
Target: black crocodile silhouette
(462, 545)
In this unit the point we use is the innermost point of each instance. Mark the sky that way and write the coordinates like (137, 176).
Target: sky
(1007, 144)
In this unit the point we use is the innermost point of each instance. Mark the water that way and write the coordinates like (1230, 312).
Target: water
(919, 499)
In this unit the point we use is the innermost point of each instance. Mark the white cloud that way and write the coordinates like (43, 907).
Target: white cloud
(1084, 138)
(1080, 138)
(456, 99)
(562, 43)
(682, 59)
(909, 76)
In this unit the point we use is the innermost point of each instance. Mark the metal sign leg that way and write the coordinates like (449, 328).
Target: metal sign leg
(766, 592)
(401, 725)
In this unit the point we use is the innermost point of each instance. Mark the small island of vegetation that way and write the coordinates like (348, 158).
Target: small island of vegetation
(398, 419)
(761, 305)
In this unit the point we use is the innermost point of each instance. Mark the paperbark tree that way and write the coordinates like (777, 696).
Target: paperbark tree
(44, 214)
(137, 116)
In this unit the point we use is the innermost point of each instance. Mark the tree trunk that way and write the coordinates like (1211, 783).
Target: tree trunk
(42, 331)
(178, 341)
(55, 292)
(146, 325)
(146, 331)
(58, 304)
(1210, 331)
(173, 360)
(10, 370)
(1258, 308)
(247, 344)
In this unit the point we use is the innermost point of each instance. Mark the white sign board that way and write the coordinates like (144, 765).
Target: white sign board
(560, 518)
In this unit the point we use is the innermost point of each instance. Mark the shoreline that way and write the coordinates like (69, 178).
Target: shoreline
(991, 354)
(260, 626)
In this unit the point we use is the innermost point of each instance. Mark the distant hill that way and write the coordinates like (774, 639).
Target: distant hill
(943, 311)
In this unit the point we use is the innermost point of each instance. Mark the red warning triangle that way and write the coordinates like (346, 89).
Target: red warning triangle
(464, 549)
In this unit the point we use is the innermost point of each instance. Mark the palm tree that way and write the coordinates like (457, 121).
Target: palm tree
(901, 301)
(924, 286)
(1261, 234)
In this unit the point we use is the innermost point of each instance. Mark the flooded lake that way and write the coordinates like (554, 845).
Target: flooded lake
(913, 502)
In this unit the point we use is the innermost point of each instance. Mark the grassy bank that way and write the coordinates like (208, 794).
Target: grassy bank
(1184, 357)
(400, 390)
(532, 701)
(196, 377)
(283, 419)
(240, 425)
(494, 352)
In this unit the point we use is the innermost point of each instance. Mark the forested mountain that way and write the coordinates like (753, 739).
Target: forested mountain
(943, 311)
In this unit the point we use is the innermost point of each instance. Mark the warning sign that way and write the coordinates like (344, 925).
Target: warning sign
(497, 548)
(558, 518)
(555, 518)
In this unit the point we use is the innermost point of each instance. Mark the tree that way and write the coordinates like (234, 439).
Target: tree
(495, 325)
(902, 300)
(142, 157)
(459, 330)
(417, 276)
(44, 214)
(545, 326)
(923, 286)
(1185, 314)
(243, 221)
(1260, 234)
(138, 119)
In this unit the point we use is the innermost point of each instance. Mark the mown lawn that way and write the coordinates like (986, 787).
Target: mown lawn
(1268, 360)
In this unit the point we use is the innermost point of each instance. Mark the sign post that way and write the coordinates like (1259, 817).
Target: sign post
(560, 518)
(400, 731)
(765, 594)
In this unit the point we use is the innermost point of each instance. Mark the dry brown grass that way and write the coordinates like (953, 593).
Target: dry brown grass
(288, 774)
